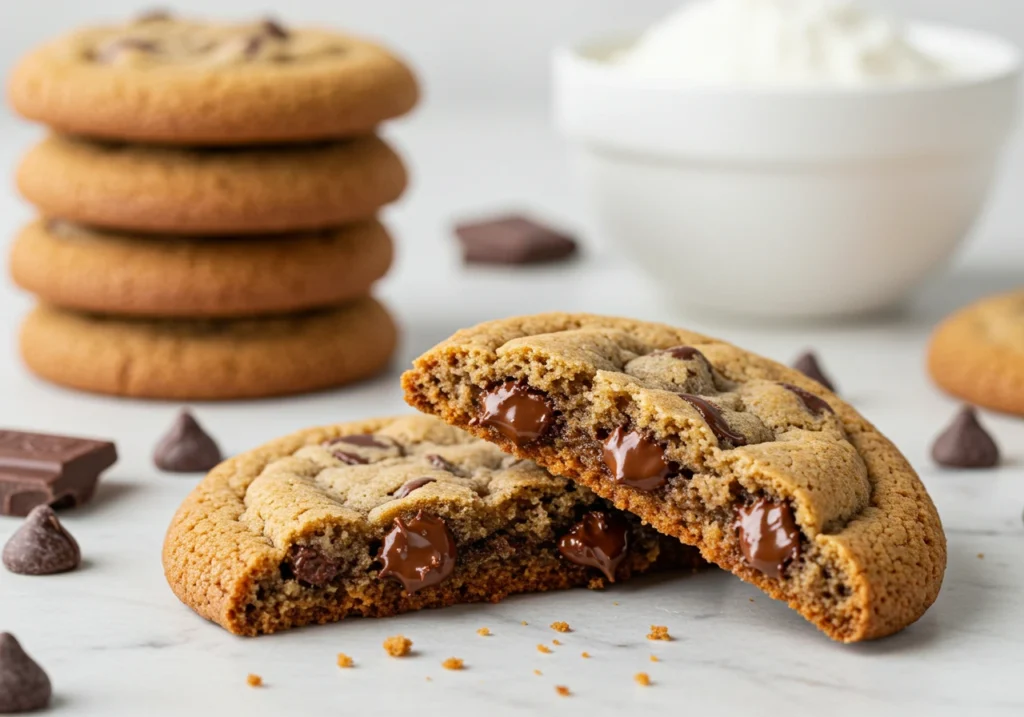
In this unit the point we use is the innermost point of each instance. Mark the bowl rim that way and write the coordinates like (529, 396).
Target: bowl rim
(1007, 64)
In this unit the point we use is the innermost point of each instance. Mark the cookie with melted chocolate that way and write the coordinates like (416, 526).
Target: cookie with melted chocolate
(766, 471)
(382, 517)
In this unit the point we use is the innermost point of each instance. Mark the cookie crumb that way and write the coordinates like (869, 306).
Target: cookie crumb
(585, 655)
(538, 672)
(429, 678)
(483, 632)
(658, 632)
(254, 680)
(398, 645)
(560, 626)
(452, 663)
(562, 690)
(524, 622)
(750, 599)
(344, 660)
(615, 603)
(654, 658)
(555, 642)
(544, 648)
(981, 556)
(643, 679)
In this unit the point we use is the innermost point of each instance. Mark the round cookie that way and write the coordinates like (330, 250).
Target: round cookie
(977, 354)
(84, 269)
(164, 80)
(209, 360)
(195, 192)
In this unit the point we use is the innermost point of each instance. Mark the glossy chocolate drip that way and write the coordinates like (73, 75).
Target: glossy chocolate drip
(311, 567)
(599, 541)
(409, 486)
(713, 417)
(812, 403)
(420, 553)
(635, 460)
(519, 414)
(769, 537)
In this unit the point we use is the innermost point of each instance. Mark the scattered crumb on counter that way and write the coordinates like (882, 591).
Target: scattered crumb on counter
(483, 632)
(398, 645)
(538, 672)
(585, 655)
(544, 648)
(560, 626)
(981, 556)
(429, 678)
(658, 632)
(344, 660)
(452, 663)
(555, 642)
(654, 658)
(524, 622)
(562, 690)
(750, 599)
(615, 603)
(642, 678)
(254, 680)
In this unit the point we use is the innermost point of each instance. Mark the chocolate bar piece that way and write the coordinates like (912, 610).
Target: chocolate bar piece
(512, 240)
(40, 469)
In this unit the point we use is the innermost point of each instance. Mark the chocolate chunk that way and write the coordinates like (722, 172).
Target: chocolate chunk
(512, 240)
(110, 51)
(812, 403)
(366, 440)
(41, 546)
(683, 353)
(635, 460)
(311, 567)
(441, 463)
(769, 537)
(24, 687)
(420, 553)
(253, 45)
(807, 364)
(349, 458)
(274, 29)
(713, 417)
(186, 447)
(409, 486)
(40, 469)
(965, 443)
(519, 414)
(599, 540)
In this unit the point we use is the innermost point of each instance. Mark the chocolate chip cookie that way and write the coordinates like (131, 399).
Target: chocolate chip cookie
(195, 192)
(772, 476)
(175, 81)
(219, 359)
(386, 516)
(74, 267)
(977, 354)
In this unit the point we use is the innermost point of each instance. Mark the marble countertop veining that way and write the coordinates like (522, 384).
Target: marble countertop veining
(116, 642)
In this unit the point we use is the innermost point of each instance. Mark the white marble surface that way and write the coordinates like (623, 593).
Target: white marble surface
(116, 642)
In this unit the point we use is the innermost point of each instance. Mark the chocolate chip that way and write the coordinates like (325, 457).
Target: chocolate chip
(311, 567)
(769, 537)
(253, 45)
(349, 458)
(420, 553)
(409, 486)
(683, 353)
(635, 460)
(365, 440)
(512, 240)
(274, 29)
(186, 447)
(441, 463)
(24, 687)
(812, 403)
(807, 363)
(965, 443)
(519, 414)
(716, 422)
(41, 546)
(41, 469)
(599, 540)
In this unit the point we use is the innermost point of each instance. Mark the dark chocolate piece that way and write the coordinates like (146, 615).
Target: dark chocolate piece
(186, 447)
(716, 422)
(365, 440)
(635, 460)
(965, 443)
(420, 553)
(441, 463)
(812, 403)
(599, 540)
(807, 363)
(41, 546)
(512, 240)
(349, 458)
(683, 353)
(769, 537)
(311, 567)
(274, 29)
(24, 687)
(411, 485)
(41, 469)
(519, 414)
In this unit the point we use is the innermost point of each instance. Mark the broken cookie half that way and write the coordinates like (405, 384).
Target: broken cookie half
(769, 474)
(382, 517)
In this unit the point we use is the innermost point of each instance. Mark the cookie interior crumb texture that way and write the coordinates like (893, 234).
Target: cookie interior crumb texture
(772, 476)
(658, 632)
(254, 680)
(453, 663)
(398, 645)
(383, 517)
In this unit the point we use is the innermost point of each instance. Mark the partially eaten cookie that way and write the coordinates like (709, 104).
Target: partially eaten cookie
(768, 473)
(382, 517)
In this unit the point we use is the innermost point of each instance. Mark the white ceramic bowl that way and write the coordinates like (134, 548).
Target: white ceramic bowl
(798, 202)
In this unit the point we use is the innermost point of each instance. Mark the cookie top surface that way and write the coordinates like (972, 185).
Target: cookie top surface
(91, 270)
(178, 81)
(733, 423)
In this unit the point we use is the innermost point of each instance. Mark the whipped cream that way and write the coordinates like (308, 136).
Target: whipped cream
(779, 42)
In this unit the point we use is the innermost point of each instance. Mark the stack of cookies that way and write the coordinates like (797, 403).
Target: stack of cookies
(208, 199)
